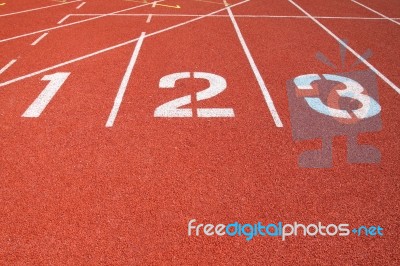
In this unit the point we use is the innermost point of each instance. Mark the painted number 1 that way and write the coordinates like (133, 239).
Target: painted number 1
(44, 98)
(172, 108)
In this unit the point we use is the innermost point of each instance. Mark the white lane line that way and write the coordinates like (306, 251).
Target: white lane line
(124, 83)
(73, 23)
(376, 12)
(376, 71)
(149, 18)
(81, 5)
(226, 16)
(261, 83)
(154, 4)
(205, 1)
(7, 66)
(63, 19)
(39, 39)
(44, 98)
(38, 8)
(5, 83)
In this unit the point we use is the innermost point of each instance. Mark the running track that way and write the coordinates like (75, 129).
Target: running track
(93, 177)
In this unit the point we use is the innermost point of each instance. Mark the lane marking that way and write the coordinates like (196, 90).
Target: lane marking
(81, 5)
(142, 2)
(176, 6)
(124, 83)
(2, 4)
(63, 19)
(5, 83)
(7, 66)
(376, 12)
(211, 2)
(376, 71)
(169, 6)
(73, 23)
(38, 8)
(39, 39)
(174, 108)
(44, 98)
(237, 16)
(149, 18)
(261, 83)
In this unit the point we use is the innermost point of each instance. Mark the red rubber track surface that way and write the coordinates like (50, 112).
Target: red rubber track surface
(74, 192)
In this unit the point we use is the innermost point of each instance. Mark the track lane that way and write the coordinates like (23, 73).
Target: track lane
(289, 52)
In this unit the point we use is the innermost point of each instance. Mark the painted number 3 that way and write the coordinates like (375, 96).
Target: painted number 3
(173, 108)
(352, 90)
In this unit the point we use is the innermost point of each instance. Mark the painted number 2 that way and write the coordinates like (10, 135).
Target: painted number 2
(172, 108)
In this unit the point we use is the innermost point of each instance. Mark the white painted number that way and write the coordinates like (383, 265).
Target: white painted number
(172, 108)
(353, 90)
(44, 98)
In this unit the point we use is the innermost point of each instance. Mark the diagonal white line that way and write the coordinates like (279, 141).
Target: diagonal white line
(225, 16)
(39, 39)
(3, 69)
(81, 5)
(376, 71)
(38, 8)
(376, 12)
(261, 83)
(124, 83)
(63, 19)
(115, 46)
(149, 18)
(74, 23)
